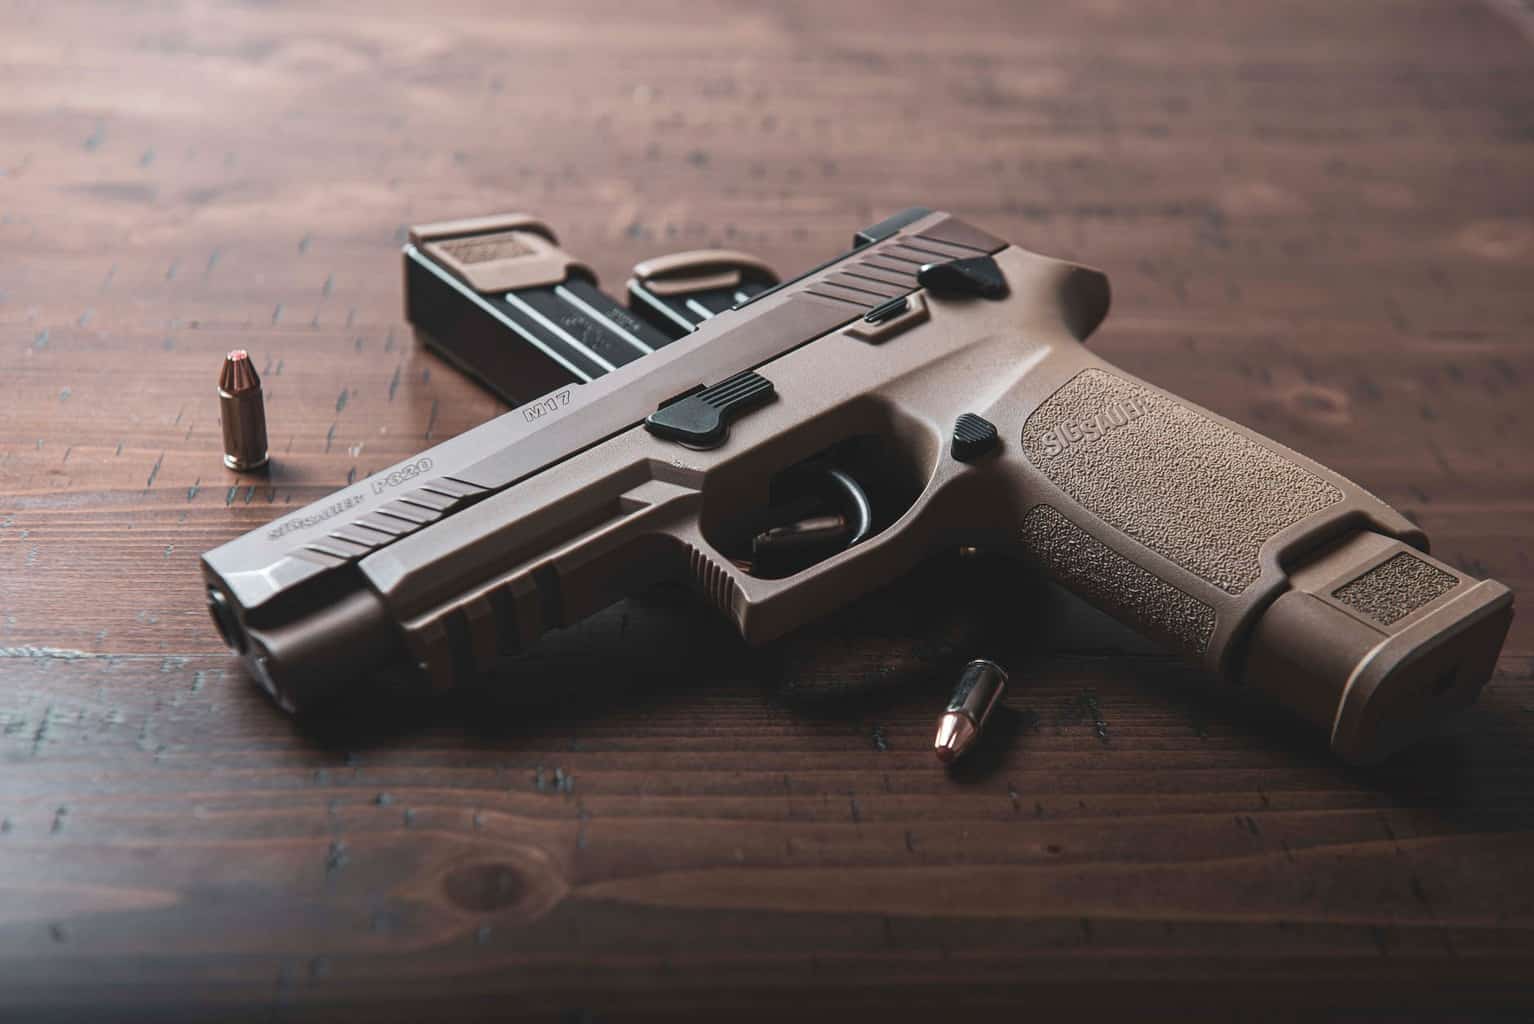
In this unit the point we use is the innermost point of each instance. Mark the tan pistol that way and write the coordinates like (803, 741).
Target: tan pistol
(927, 389)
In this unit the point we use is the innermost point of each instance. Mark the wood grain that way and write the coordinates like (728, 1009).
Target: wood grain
(1318, 220)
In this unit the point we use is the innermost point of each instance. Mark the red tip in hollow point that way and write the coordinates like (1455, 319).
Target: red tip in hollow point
(238, 374)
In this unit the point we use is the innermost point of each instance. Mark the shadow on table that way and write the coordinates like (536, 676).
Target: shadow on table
(903, 646)
(662, 648)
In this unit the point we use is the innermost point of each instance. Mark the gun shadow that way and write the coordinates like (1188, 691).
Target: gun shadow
(901, 648)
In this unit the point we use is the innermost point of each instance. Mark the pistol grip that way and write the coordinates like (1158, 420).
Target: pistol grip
(1273, 571)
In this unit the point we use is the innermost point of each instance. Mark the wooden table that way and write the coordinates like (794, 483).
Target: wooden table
(1318, 219)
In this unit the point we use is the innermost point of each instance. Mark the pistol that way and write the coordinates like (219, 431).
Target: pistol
(786, 447)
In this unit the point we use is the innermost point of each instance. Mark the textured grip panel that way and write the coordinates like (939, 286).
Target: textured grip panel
(1187, 487)
(1395, 588)
(1114, 583)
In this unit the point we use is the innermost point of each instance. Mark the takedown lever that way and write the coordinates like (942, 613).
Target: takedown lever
(702, 419)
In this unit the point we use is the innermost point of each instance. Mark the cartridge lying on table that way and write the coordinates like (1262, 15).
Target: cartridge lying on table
(981, 685)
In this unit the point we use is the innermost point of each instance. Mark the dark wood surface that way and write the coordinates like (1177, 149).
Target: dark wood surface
(1318, 219)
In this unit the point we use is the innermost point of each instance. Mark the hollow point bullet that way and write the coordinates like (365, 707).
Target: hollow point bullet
(242, 410)
(980, 688)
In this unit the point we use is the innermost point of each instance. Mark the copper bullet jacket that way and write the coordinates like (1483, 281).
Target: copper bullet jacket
(242, 411)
